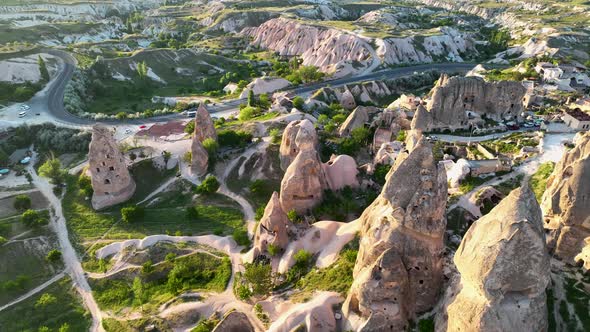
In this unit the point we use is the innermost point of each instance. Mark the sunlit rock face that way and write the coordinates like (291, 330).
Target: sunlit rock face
(458, 101)
(407, 221)
(273, 228)
(199, 158)
(503, 268)
(566, 202)
(111, 181)
(297, 134)
(204, 126)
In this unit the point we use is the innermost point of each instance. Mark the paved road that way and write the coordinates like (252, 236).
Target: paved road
(50, 104)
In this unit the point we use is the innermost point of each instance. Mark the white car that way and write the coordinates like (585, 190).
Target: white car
(127, 131)
(22, 114)
(25, 107)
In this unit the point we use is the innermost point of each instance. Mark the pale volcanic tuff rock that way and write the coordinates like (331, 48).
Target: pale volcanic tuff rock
(204, 126)
(566, 202)
(273, 227)
(356, 119)
(408, 218)
(199, 158)
(456, 100)
(204, 129)
(341, 171)
(504, 271)
(304, 182)
(296, 135)
(321, 47)
(111, 181)
(235, 321)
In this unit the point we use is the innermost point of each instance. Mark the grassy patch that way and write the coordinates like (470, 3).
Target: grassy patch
(470, 183)
(148, 178)
(24, 265)
(539, 179)
(68, 308)
(163, 282)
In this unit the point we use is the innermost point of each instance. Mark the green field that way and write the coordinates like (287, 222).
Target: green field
(66, 309)
(150, 288)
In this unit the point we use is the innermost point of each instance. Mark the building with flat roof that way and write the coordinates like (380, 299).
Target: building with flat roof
(577, 119)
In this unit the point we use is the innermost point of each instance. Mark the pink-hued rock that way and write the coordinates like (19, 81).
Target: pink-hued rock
(458, 101)
(409, 219)
(304, 182)
(297, 135)
(273, 228)
(358, 118)
(199, 158)
(204, 126)
(566, 202)
(111, 181)
(504, 270)
(341, 171)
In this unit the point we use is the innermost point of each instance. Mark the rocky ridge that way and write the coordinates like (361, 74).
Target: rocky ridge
(503, 265)
(402, 235)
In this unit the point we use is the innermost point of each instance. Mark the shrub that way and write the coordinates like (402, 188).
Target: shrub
(209, 186)
(241, 237)
(233, 138)
(192, 213)
(132, 213)
(33, 218)
(275, 136)
(248, 113)
(121, 116)
(190, 127)
(272, 249)
(2, 240)
(85, 184)
(298, 102)
(22, 202)
(259, 212)
(45, 300)
(52, 169)
(53, 256)
(293, 217)
(259, 276)
(380, 173)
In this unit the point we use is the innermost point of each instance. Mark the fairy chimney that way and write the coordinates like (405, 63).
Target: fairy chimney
(111, 181)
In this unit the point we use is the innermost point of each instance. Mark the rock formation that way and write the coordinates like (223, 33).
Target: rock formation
(235, 321)
(297, 134)
(341, 171)
(347, 100)
(566, 202)
(204, 129)
(204, 126)
(111, 181)
(457, 102)
(262, 85)
(407, 220)
(504, 271)
(356, 119)
(199, 158)
(273, 228)
(304, 182)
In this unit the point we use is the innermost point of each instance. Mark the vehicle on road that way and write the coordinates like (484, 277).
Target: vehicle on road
(22, 114)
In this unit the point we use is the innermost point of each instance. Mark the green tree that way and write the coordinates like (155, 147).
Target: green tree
(2, 240)
(211, 146)
(190, 127)
(85, 185)
(65, 327)
(275, 136)
(298, 102)
(52, 170)
(401, 136)
(292, 215)
(33, 218)
(241, 237)
(121, 116)
(131, 214)
(53, 256)
(138, 291)
(142, 70)
(167, 155)
(209, 186)
(251, 101)
(45, 300)
(272, 249)
(43, 69)
(247, 113)
(22, 202)
(44, 329)
(259, 276)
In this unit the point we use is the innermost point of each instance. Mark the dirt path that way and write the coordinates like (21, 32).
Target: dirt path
(71, 261)
(34, 291)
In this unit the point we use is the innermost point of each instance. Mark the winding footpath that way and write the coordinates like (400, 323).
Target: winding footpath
(70, 258)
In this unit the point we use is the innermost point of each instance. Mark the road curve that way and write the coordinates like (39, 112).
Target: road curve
(60, 115)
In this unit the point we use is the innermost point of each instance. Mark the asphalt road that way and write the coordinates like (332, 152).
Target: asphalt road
(55, 93)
